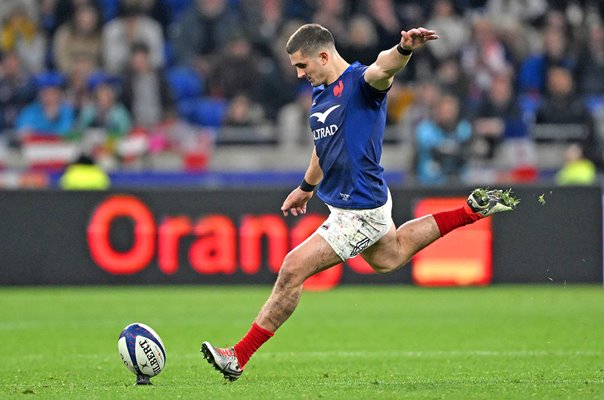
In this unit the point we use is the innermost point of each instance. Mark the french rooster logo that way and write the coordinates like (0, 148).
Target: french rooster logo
(338, 89)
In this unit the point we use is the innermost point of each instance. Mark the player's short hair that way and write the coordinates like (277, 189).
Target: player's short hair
(309, 38)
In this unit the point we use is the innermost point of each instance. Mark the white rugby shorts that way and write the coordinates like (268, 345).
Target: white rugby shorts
(349, 232)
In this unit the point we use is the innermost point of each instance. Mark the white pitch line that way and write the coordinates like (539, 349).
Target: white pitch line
(423, 354)
(347, 354)
(437, 354)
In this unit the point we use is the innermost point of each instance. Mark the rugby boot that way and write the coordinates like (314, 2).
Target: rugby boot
(487, 202)
(223, 359)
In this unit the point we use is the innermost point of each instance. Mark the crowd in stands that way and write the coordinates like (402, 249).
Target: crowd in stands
(124, 79)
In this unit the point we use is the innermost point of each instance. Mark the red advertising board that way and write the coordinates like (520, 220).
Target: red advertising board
(219, 247)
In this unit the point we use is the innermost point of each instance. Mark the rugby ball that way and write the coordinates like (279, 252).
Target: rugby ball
(142, 350)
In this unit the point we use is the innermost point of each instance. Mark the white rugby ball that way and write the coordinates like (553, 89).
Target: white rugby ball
(142, 350)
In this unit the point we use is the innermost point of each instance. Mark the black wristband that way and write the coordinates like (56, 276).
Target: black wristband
(404, 52)
(306, 187)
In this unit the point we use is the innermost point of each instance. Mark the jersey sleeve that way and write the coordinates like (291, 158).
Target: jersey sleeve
(369, 91)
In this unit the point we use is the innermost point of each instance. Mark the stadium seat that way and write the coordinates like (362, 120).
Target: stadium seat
(184, 82)
(594, 103)
(529, 104)
(203, 111)
(169, 56)
(109, 9)
(177, 8)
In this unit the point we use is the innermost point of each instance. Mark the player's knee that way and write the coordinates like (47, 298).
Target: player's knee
(291, 272)
(385, 266)
(383, 269)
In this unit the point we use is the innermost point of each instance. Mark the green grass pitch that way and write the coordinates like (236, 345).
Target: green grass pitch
(373, 342)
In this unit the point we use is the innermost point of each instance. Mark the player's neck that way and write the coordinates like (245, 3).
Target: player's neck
(339, 66)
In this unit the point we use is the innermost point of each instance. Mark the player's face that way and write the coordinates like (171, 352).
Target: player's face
(309, 67)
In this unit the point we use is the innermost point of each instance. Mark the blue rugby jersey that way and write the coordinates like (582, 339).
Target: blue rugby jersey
(347, 120)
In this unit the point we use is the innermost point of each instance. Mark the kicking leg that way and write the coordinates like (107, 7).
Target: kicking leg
(397, 247)
(312, 256)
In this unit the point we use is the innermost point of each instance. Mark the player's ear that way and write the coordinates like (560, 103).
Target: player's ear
(323, 57)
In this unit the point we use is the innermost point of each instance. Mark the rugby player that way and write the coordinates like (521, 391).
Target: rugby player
(347, 120)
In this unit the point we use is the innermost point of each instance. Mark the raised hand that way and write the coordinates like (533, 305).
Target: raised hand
(416, 37)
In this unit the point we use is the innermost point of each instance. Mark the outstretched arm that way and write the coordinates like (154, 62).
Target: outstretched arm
(381, 73)
(297, 199)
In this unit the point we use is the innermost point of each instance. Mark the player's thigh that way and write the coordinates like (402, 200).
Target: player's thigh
(385, 255)
(310, 257)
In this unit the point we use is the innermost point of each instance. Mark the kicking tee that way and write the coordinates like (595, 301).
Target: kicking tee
(347, 120)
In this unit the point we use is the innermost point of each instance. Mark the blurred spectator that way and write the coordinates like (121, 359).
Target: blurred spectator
(517, 25)
(452, 78)
(245, 122)
(65, 9)
(590, 66)
(400, 99)
(577, 169)
(236, 69)
(120, 34)
(293, 119)
(31, 7)
(278, 83)
(48, 20)
(556, 18)
(441, 143)
(146, 92)
(453, 30)
(362, 44)
(105, 111)
(388, 26)
(560, 104)
(84, 174)
(17, 89)
(425, 95)
(386, 20)
(79, 37)
(203, 31)
(243, 112)
(333, 15)
(518, 39)
(301, 9)
(155, 9)
(50, 114)
(532, 74)
(264, 23)
(563, 116)
(498, 116)
(21, 34)
(527, 11)
(76, 92)
(484, 56)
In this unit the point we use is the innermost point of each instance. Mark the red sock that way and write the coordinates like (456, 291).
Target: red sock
(452, 219)
(251, 342)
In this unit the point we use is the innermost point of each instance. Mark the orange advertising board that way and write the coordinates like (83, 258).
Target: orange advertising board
(463, 257)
